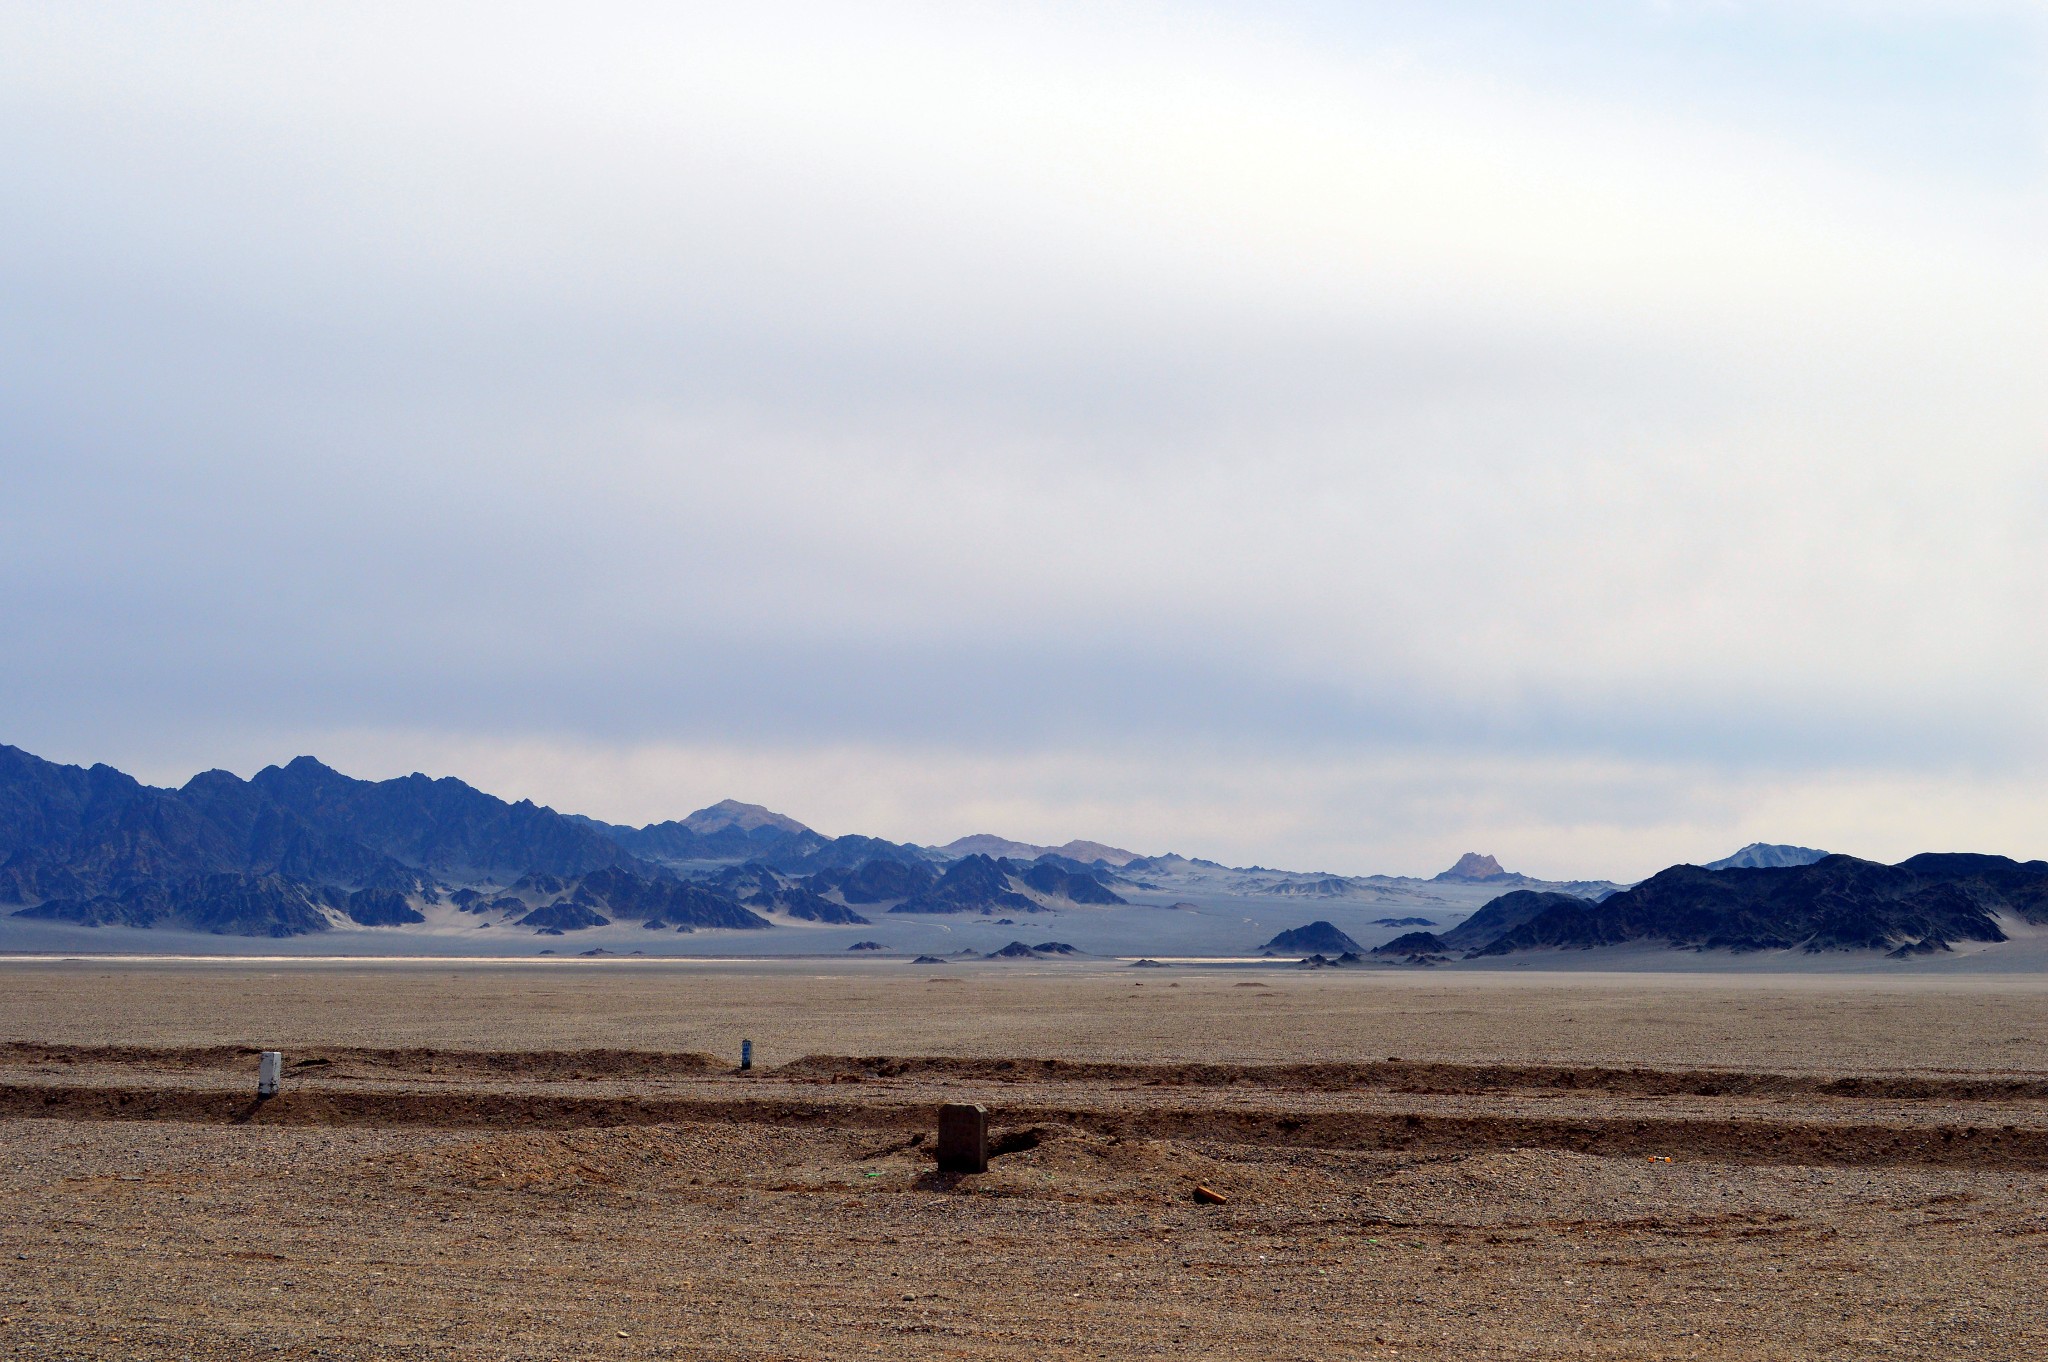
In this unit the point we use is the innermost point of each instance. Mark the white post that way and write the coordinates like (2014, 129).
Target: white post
(268, 1072)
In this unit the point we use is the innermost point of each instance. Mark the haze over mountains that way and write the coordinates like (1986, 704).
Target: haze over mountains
(301, 849)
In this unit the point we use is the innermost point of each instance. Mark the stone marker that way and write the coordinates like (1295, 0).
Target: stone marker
(963, 1138)
(746, 1054)
(268, 1070)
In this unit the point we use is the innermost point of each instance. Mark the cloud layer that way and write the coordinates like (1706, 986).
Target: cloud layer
(1079, 416)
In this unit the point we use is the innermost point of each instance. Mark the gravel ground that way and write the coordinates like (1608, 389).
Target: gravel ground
(1855, 1024)
(829, 1233)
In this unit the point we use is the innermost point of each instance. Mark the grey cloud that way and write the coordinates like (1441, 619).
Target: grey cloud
(563, 391)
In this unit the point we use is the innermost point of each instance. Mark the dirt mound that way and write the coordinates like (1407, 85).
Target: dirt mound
(610, 1156)
(1059, 1162)
(573, 1158)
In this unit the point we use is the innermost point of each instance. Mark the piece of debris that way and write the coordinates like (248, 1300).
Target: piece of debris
(1209, 1196)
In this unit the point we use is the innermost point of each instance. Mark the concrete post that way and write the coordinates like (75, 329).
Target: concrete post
(268, 1070)
(963, 1138)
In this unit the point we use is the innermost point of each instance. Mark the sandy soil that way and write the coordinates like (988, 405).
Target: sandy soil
(561, 1162)
(1075, 1011)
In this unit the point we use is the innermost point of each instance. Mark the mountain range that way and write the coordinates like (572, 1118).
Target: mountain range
(301, 848)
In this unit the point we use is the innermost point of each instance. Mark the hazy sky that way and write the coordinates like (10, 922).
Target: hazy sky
(1596, 434)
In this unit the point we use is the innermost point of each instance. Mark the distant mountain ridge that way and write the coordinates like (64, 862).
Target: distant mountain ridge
(1088, 853)
(296, 848)
(302, 848)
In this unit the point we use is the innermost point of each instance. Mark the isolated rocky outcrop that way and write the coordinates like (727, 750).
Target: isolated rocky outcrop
(1317, 938)
(1017, 950)
(1414, 946)
(1473, 868)
(566, 915)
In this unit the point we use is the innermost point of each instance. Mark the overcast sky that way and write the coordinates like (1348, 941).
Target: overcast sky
(1595, 434)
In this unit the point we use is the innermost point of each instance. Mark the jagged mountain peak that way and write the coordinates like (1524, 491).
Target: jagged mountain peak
(1473, 868)
(731, 813)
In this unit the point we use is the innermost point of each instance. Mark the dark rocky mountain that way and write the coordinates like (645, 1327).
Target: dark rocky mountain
(1414, 946)
(844, 853)
(1921, 905)
(1048, 877)
(1765, 856)
(268, 838)
(229, 904)
(1502, 915)
(444, 826)
(883, 879)
(378, 907)
(972, 884)
(1317, 938)
(759, 886)
(982, 884)
(67, 832)
(302, 848)
(566, 915)
(624, 895)
(1017, 950)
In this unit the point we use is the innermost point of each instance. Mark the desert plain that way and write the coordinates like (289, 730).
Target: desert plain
(562, 1160)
